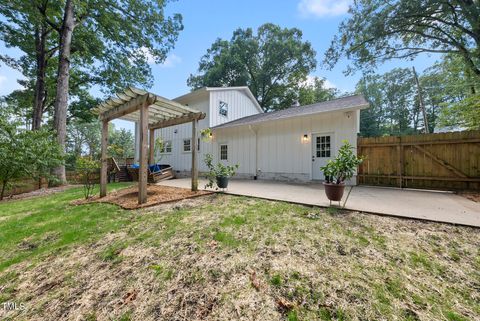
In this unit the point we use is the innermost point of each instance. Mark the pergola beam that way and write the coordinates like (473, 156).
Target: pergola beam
(177, 121)
(126, 108)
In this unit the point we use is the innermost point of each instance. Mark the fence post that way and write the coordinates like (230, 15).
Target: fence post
(400, 161)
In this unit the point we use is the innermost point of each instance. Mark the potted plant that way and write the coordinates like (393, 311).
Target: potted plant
(218, 175)
(338, 170)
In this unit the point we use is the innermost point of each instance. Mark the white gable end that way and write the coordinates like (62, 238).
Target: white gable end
(228, 105)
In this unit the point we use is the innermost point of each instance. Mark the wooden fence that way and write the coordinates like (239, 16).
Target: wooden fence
(448, 161)
(25, 185)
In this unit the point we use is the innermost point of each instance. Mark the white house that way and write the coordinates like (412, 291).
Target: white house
(289, 144)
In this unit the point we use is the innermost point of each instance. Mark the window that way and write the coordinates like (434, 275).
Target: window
(323, 146)
(167, 147)
(223, 108)
(187, 147)
(223, 152)
(198, 144)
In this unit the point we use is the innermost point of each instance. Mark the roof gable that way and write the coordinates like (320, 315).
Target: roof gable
(202, 92)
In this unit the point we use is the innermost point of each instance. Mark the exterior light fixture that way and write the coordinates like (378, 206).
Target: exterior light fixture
(305, 138)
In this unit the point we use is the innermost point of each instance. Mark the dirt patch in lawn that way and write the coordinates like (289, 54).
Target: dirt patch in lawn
(127, 198)
(38, 193)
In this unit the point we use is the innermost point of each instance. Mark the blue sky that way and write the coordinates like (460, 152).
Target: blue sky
(205, 21)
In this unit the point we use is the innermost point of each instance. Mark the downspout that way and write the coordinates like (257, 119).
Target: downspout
(254, 131)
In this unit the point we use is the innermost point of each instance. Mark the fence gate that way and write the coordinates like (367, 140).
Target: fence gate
(449, 161)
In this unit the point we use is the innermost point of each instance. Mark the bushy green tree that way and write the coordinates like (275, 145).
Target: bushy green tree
(453, 91)
(25, 153)
(121, 143)
(464, 114)
(315, 92)
(393, 104)
(272, 63)
(83, 139)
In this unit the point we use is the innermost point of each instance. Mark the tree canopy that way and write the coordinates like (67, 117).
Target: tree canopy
(379, 30)
(273, 63)
(449, 93)
(69, 46)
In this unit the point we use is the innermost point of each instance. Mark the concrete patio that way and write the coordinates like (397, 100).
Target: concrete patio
(427, 205)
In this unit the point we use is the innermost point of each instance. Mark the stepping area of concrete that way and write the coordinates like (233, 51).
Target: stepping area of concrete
(435, 206)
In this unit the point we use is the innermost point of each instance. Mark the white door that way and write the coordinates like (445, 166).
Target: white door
(322, 152)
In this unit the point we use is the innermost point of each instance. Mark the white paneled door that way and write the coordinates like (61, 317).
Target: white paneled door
(322, 152)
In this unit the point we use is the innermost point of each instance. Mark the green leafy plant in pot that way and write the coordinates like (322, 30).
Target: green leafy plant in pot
(340, 169)
(219, 174)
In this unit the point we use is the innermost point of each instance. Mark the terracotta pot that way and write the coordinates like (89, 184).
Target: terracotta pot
(334, 191)
(222, 181)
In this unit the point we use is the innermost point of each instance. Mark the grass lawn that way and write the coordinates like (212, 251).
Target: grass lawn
(223, 257)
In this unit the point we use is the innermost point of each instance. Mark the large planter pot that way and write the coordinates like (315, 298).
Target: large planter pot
(222, 181)
(334, 191)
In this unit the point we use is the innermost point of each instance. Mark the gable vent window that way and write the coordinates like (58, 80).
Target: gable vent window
(223, 108)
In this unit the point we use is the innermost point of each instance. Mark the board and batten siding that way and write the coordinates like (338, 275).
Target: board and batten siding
(239, 106)
(178, 159)
(282, 154)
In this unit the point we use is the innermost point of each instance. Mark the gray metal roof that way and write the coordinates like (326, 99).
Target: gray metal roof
(340, 104)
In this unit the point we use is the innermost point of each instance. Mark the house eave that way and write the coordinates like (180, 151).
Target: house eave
(264, 121)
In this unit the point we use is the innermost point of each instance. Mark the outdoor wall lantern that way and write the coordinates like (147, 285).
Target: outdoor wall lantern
(305, 138)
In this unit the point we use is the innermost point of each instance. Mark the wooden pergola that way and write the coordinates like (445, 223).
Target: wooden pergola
(151, 112)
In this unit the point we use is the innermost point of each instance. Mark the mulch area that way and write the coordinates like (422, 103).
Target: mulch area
(127, 198)
(473, 196)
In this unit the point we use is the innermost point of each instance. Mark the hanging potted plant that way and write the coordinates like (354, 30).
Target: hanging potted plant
(340, 169)
(218, 175)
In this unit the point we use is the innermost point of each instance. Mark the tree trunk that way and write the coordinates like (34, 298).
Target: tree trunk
(4, 184)
(61, 98)
(39, 95)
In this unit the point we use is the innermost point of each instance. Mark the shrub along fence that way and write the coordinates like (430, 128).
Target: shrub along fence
(448, 161)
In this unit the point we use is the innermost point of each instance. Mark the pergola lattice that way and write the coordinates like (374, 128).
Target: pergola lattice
(151, 112)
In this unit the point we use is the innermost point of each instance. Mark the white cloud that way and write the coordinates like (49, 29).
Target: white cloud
(171, 61)
(310, 81)
(3, 79)
(147, 54)
(330, 85)
(323, 8)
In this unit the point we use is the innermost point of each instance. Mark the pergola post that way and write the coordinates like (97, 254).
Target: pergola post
(142, 175)
(194, 156)
(151, 147)
(139, 105)
(104, 164)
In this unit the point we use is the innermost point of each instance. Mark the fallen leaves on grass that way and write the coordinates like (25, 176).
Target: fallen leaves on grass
(129, 297)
